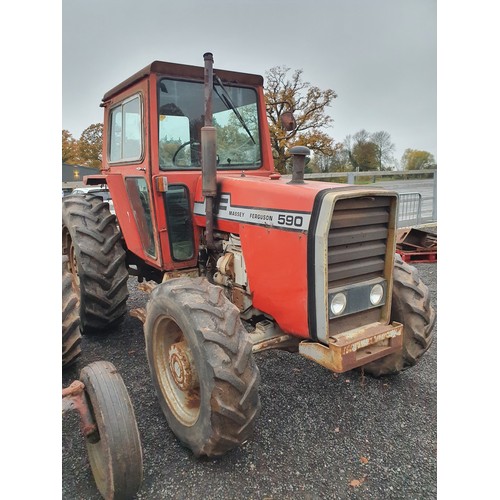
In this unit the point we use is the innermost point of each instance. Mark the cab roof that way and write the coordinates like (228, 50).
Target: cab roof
(184, 71)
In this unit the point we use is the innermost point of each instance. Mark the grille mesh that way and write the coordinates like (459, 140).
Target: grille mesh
(357, 239)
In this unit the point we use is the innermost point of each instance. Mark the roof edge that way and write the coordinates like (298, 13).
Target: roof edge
(184, 71)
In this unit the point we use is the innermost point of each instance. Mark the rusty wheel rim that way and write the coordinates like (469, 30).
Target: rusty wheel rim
(176, 372)
(73, 266)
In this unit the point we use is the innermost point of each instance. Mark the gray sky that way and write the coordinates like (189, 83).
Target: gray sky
(379, 56)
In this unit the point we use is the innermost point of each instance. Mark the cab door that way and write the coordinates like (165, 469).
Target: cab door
(128, 164)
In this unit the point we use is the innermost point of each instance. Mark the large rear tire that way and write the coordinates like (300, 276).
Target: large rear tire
(71, 336)
(202, 366)
(115, 454)
(410, 306)
(92, 241)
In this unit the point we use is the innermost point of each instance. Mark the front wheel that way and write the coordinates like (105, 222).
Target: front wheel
(202, 366)
(410, 306)
(115, 454)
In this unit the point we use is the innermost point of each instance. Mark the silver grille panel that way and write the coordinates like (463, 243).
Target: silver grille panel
(354, 243)
(357, 239)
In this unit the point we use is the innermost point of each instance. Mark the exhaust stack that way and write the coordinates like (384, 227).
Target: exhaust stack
(209, 151)
(299, 154)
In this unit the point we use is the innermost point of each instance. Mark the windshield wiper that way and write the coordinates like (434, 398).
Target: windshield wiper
(226, 99)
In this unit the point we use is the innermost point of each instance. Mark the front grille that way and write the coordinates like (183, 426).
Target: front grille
(357, 239)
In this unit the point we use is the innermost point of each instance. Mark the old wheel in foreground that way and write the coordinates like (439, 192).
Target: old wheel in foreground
(96, 258)
(71, 336)
(410, 306)
(202, 366)
(115, 453)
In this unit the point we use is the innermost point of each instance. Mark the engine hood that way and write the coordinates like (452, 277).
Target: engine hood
(262, 201)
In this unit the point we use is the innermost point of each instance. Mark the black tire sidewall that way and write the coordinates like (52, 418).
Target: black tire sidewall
(118, 431)
(191, 436)
(89, 288)
(416, 326)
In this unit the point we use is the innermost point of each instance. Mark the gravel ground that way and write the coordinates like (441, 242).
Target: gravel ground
(317, 432)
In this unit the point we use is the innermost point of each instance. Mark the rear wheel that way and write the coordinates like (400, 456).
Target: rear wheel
(115, 453)
(96, 258)
(202, 366)
(71, 336)
(410, 306)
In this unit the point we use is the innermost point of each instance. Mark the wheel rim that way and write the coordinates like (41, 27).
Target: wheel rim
(73, 265)
(99, 458)
(176, 372)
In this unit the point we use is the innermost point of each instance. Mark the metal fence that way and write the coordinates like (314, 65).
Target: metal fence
(417, 196)
(409, 209)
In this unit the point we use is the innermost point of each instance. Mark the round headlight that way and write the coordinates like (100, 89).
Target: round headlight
(376, 294)
(338, 304)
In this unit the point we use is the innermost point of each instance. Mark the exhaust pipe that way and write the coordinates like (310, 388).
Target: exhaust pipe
(209, 152)
(299, 154)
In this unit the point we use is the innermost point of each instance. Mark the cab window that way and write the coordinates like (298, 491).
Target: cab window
(179, 223)
(125, 131)
(138, 194)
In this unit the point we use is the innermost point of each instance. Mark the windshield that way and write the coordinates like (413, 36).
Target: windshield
(181, 109)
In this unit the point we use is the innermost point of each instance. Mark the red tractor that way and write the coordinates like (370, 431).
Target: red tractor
(244, 258)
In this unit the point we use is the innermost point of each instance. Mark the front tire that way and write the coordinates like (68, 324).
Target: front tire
(115, 454)
(202, 366)
(96, 258)
(410, 306)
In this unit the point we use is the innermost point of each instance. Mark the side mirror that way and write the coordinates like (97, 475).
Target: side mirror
(288, 122)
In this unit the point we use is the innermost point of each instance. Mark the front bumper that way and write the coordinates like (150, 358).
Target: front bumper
(355, 348)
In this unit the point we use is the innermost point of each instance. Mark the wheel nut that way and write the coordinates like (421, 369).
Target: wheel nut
(182, 367)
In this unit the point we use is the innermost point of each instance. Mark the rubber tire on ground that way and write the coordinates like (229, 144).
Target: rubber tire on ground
(101, 271)
(71, 336)
(228, 402)
(410, 306)
(116, 457)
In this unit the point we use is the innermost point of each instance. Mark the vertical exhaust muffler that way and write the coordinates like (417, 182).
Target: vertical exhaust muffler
(209, 151)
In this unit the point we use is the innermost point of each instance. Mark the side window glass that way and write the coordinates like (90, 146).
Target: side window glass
(115, 136)
(132, 136)
(179, 223)
(125, 133)
(138, 194)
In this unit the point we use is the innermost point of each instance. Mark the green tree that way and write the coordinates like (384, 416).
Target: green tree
(90, 146)
(414, 159)
(69, 148)
(368, 151)
(308, 103)
(366, 156)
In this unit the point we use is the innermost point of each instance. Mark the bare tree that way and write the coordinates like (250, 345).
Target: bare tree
(308, 102)
(385, 147)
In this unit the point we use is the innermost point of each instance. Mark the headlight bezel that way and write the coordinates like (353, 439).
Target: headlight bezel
(376, 294)
(338, 299)
(358, 297)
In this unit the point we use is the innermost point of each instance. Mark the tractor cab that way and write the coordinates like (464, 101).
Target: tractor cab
(152, 153)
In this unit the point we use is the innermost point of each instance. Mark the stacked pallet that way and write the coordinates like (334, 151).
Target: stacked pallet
(416, 245)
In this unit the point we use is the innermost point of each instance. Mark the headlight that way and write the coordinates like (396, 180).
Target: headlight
(338, 304)
(376, 294)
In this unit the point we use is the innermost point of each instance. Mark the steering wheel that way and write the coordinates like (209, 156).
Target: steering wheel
(180, 148)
